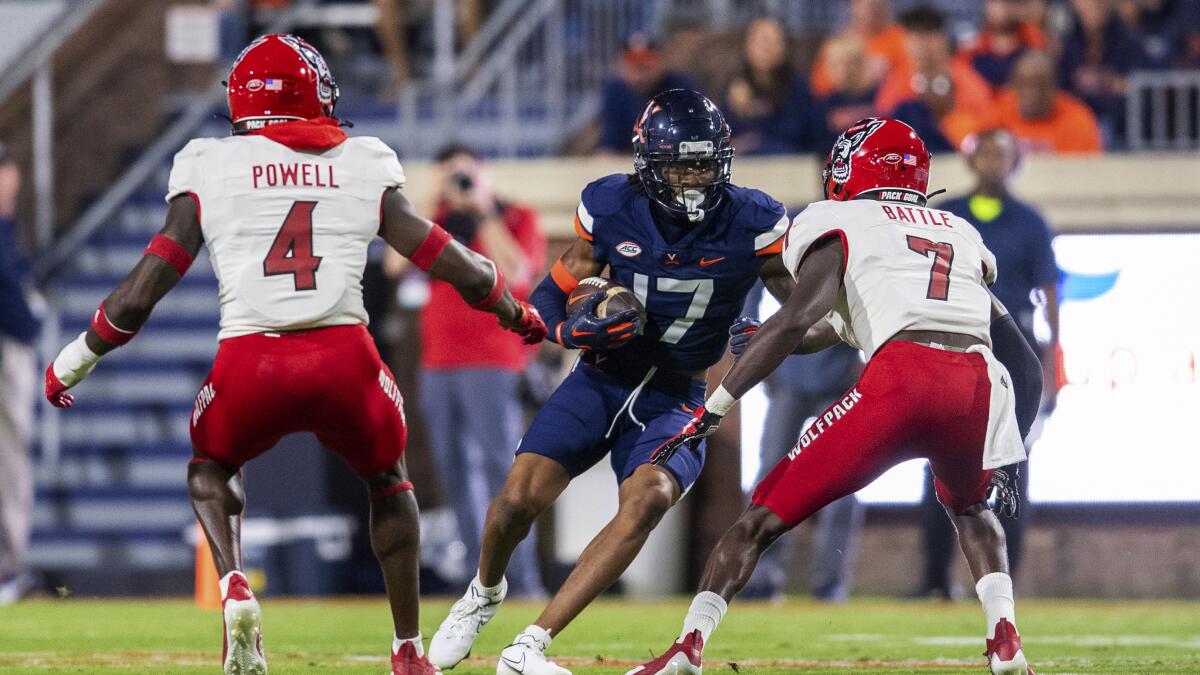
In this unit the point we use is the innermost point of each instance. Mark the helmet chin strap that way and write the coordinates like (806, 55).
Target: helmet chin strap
(691, 200)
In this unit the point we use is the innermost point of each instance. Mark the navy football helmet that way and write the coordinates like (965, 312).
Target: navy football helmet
(682, 153)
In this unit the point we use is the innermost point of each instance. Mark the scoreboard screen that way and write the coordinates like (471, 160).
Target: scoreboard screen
(1127, 424)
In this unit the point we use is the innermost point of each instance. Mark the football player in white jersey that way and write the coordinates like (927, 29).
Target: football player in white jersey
(287, 206)
(908, 285)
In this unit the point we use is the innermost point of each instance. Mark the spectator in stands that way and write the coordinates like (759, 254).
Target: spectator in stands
(470, 399)
(1022, 243)
(640, 75)
(1043, 118)
(1098, 53)
(1162, 27)
(882, 41)
(1004, 37)
(852, 96)
(19, 328)
(929, 54)
(768, 103)
(942, 98)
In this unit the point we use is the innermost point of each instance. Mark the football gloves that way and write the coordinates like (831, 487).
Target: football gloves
(585, 330)
(740, 333)
(701, 426)
(56, 391)
(528, 325)
(1006, 498)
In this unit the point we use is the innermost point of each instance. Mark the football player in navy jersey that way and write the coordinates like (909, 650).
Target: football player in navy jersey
(690, 245)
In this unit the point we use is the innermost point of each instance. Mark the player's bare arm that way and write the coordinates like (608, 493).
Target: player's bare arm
(820, 337)
(127, 308)
(776, 278)
(476, 278)
(1021, 361)
(817, 283)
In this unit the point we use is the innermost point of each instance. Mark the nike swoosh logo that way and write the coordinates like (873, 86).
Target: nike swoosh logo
(704, 262)
(575, 332)
(518, 666)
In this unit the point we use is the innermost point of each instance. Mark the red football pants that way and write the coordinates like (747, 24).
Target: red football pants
(328, 381)
(911, 401)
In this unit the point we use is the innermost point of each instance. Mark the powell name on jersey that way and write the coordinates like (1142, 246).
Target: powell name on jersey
(907, 267)
(287, 231)
(692, 289)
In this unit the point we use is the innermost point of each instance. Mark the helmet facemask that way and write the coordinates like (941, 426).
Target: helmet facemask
(688, 183)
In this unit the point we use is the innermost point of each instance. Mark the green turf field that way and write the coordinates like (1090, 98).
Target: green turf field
(352, 636)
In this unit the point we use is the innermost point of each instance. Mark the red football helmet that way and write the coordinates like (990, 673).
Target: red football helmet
(877, 154)
(278, 78)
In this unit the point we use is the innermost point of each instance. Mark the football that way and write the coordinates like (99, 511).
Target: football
(617, 298)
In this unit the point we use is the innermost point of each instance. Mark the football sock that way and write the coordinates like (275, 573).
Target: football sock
(397, 643)
(996, 593)
(492, 593)
(224, 582)
(706, 612)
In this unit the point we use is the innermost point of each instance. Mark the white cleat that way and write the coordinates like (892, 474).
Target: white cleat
(527, 656)
(453, 640)
(243, 652)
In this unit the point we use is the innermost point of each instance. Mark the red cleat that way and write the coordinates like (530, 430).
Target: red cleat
(682, 658)
(407, 662)
(1004, 653)
(242, 652)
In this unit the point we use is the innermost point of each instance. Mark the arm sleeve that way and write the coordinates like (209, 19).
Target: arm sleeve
(551, 303)
(1014, 351)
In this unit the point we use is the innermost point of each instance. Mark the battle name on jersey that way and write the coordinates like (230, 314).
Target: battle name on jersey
(296, 174)
(918, 215)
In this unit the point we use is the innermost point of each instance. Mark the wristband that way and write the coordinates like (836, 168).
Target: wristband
(107, 331)
(493, 297)
(75, 361)
(428, 251)
(170, 251)
(720, 401)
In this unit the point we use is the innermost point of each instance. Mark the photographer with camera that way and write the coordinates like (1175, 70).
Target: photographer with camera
(471, 368)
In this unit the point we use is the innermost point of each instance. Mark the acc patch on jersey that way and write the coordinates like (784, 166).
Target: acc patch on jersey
(629, 249)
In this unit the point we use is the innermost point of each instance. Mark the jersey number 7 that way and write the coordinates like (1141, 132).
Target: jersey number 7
(292, 251)
(939, 273)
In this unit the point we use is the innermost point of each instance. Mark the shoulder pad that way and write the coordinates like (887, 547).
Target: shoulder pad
(392, 174)
(607, 195)
(762, 216)
(186, 175)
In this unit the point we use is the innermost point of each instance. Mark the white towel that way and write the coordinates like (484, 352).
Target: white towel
(1003, 445)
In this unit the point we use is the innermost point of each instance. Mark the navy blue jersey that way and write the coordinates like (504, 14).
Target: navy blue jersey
(693, 289)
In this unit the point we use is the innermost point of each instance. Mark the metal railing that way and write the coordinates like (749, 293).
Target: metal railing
(194, 115)
(38, 63)
(1163, 110)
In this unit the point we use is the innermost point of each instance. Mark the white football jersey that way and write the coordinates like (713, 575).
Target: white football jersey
(907, 268)
(287, 231)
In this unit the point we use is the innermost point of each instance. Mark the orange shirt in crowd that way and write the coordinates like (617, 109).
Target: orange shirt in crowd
(885, 53)
(1070, 128)
(972, 93)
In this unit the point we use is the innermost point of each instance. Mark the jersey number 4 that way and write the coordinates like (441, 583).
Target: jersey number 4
(292, 251)
(939, 274)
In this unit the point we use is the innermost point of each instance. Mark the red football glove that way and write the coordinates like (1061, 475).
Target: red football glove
(702, 425)
(56, 391)
(529, 324)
